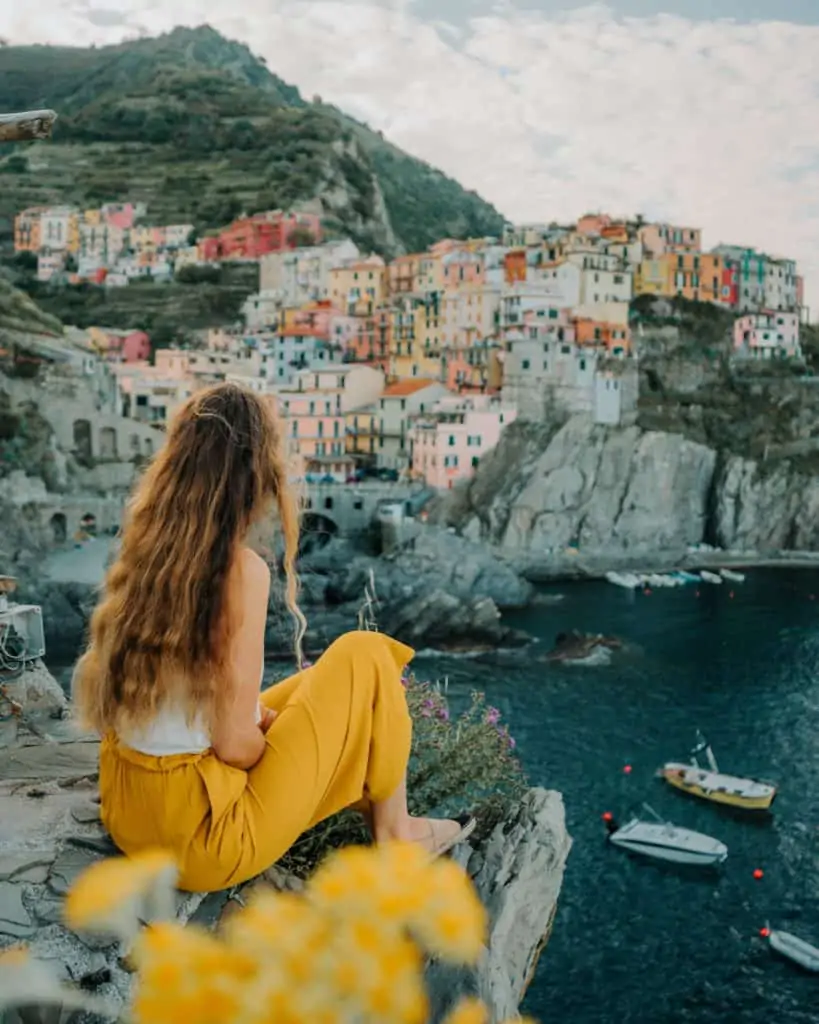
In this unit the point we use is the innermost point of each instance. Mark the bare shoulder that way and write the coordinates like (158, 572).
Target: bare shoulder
(252, 570)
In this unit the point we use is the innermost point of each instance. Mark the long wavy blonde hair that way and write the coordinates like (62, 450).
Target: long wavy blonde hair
(162, 624)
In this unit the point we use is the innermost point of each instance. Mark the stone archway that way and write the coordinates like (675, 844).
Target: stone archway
(59, 528)
(83, 448)
(108, 443)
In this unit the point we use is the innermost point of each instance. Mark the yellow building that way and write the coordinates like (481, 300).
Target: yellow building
(651, 278)
(361, 430)
(429, 324)
(359, 288)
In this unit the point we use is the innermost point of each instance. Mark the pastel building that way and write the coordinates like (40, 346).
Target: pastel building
(292, 278)
(249, 238)
(315, 408)
(27, 230)
(399, 403)
(658, 239)
(468, 314)
(360, 287)
(541, 377)
(117, 346)
(449, 440)
(772, 334)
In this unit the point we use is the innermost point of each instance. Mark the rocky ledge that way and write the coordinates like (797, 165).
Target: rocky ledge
(50, 832)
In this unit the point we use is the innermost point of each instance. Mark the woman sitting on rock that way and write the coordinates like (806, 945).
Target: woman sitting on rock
(193, 758)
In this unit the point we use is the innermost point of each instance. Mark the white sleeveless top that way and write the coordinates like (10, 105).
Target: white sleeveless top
(169, 733)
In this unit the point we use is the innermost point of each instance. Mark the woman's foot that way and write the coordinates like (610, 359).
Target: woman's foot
(436, 835)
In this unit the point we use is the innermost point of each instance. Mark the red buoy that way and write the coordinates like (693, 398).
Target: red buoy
(764, 932)
(627, 769)
(759, 873)
(608, 816)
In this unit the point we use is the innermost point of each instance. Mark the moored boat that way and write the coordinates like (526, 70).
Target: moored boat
(732, 575)
(793, 948)
(664, 841)
(712, 784)
(623, 579)
(710, 577)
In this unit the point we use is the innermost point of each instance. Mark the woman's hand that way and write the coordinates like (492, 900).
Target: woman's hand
(269, 716)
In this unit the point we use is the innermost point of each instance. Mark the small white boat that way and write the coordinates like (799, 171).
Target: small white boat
(623, 579)
(794, 949)
(663, 841)
(734, 577)
(710, 577)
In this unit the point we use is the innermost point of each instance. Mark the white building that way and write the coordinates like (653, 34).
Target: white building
(56, 223)
(616, 390)
(49, 264)
(300, 276)
(767, 335)
(468, 315)
(779, 287)
(285, 355)
(398, 405)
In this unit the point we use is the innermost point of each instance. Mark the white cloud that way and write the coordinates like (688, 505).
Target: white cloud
(707, 123)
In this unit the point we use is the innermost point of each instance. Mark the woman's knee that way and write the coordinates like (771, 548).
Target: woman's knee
(370, 646)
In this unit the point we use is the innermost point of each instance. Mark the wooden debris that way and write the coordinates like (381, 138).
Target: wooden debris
(27, 125)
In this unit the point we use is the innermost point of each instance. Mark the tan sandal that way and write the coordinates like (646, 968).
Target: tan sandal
(468, 825)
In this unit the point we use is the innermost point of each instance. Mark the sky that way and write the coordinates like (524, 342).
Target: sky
(700, 112)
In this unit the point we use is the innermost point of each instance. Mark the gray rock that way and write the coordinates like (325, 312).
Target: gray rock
(765, 506)
(602, 489)
(70, 863)
(36, 690)
(14, 918)
(25, 866)
(447, 622)
(518, 872)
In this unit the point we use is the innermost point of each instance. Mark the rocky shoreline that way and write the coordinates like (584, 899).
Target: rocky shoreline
(50, 831)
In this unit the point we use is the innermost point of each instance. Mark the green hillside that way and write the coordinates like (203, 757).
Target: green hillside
(199, 129)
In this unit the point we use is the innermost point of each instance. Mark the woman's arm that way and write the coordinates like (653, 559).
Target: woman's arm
(235, 735)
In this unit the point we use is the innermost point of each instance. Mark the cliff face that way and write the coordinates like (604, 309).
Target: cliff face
(620, 492)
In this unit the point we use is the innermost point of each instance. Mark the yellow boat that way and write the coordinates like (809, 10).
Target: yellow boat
(712, 784)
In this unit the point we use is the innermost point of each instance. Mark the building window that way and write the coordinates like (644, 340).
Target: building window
(328, 503)
(358, 504)
(451, 440)
(582, 364)
(525, 364)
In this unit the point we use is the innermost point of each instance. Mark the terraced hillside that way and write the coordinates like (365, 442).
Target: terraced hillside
(199, 129)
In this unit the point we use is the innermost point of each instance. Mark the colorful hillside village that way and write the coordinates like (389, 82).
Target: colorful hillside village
(413, 368)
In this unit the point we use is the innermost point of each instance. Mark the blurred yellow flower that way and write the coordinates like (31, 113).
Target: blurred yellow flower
(114, 895)
(349, 950)
(468, 1011)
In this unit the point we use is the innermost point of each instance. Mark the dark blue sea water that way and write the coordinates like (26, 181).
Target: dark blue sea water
(636, 942)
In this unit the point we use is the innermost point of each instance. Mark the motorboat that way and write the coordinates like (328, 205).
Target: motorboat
(732, 576)
(663, 841)
(712, 784)
(686, 577)
(710, 577)
(793, 948)
(624, 579)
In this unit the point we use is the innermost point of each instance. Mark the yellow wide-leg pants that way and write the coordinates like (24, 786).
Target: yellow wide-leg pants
(342, 735)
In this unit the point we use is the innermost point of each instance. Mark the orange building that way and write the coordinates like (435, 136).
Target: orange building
(27, 230)
(616, 338)
(694, 275)
(514, 266)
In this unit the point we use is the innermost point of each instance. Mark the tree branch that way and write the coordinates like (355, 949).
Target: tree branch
(27, 125)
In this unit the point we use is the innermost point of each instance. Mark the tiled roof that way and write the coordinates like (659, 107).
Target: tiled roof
(408, 387)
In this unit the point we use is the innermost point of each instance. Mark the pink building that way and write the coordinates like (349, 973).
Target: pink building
(659, 239)
(463, 267)
(448, 442)
(593, 223)
(767, 335)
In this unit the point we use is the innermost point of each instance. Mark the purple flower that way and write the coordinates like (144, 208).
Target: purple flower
(429, 704)
(492, 716)
(426, 713)
(443, 714)
(306, 664)
(512, 743)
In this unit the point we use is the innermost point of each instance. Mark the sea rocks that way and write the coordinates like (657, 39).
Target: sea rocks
(449, 623)
(437, 559)
(35, 690)
(599, 489)
(765, 506)
(574, 647)
(518, 872)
